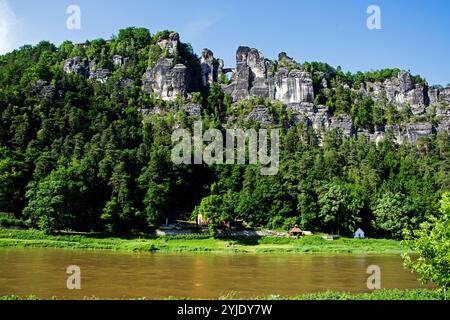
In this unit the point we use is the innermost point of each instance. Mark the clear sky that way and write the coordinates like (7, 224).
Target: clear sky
(415, 34)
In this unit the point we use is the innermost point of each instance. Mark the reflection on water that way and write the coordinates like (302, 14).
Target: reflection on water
(42, 272)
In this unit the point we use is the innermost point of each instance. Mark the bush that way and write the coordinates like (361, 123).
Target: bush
(9, 220)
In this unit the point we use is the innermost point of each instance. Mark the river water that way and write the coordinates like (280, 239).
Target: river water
(109, 275)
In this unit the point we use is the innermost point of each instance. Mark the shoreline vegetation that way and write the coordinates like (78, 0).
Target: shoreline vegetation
(391, 294)
(198, 244)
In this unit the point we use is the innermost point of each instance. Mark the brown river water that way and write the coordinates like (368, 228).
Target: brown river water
(108, 275)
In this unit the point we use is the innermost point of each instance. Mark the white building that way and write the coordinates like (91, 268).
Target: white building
(359, 234)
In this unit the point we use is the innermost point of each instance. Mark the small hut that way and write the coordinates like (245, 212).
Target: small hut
(296, 232)
(359, 234)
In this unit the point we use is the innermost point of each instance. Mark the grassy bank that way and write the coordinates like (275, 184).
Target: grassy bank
(422, 294)
(314, 244)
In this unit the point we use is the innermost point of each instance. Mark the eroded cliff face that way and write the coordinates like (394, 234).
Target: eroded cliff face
(285, 81)
(402, 91)
(255, 76)
(167, 80)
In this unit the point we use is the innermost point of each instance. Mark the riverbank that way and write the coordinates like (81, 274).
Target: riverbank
(422, 294)
(267, 245)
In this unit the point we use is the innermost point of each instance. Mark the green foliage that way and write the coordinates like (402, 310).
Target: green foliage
(340, 206)
(202, 242)
(376, 76)
(383, 295)
(392, 215)
(58, 202)
(135, 37)
(432, 245)
(378, 295)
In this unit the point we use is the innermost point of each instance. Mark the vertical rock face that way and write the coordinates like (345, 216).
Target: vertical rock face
(100, 75)
(167, 82)
(284, 80)
(416, 131)
(344, 123)
(401, 91)
(293, 87)
(117, 60)
(193, 109)
(260, 114)
(444, 95)
(396, 132)
(316, 117)
(170, 42)
(78, 66)
(74, 65)
(433, 96)
(210, 68)
(252, 78)
(43, 90)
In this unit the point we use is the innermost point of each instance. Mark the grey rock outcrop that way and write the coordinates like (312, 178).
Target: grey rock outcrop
(294, 86)
(260, 114)
(401, 91)
(43, 90)
(433, 96)
(316, 117)
(117, 60)
(285, 81)
(250, 77)
(254, 78)
(100, 75)
(444, 95)
(416, 131)
(344, 123)
(151, 111)
(443, 116)
(193, 109)
(210, 68)
(411, 133)
(167, 82)
(125, 82)
(170, 43)
(74, 65)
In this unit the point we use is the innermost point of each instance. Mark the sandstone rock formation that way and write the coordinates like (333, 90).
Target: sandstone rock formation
(260, 114)
(285, 81)
(74, 65)
(170, 42)
(253, 77)
(117, 60)
(167, 82)
(193, 109)
(43, 90)
(444, 95)
(401, 91)
(294, 86)
(211, 68)
(100, 75)
(343, 123)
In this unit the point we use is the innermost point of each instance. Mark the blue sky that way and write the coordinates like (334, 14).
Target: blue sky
(415, 34)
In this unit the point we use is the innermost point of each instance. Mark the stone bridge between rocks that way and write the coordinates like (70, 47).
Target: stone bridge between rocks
(228, 70)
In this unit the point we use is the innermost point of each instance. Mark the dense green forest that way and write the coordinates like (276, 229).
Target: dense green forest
(86, 159)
